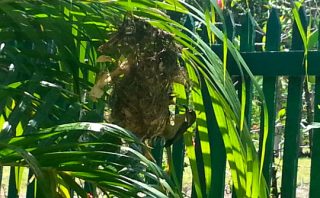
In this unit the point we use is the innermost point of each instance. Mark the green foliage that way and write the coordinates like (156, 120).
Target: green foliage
(48, 64)
(88, 151)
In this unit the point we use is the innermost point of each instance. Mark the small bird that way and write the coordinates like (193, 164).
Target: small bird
(182, 122)
(174, 132)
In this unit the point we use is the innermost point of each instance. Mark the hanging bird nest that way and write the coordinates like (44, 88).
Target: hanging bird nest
(142, 80)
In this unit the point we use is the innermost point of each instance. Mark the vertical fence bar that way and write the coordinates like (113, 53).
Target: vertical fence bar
(247, 40)
(315, 149)
(190, 24)
(31, 186)
(178, 148)
(269, 90)
(293, 117)
(200, 166)
(157, 152)
(178, 160)
(230, 25)
(178, 151)
(12, 188)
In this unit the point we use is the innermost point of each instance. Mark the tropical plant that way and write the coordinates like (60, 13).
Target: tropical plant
(48, 65)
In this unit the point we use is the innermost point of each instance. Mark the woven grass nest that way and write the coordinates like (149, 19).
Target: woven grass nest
(142, 80)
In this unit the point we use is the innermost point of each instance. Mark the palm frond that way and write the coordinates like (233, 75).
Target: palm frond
(48, 64)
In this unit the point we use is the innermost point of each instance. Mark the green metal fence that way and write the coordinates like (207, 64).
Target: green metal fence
(270, 64)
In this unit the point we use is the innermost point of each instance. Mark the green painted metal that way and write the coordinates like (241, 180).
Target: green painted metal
(12, 189)
(157, 152)
(230, 25)
(314, 190)
(279, 63)
(247, 40)
(292, 136)
(31, 186)
(293, 118)
(270, 64)
(315, 157)
(282, 63)
(178, 152)
(200, 165)
(269, 90)
(247, 37)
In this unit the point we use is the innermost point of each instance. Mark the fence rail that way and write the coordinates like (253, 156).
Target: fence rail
(270, 64)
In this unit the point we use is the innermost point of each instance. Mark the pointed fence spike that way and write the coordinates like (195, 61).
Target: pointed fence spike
(293, 118)
(229, 20)
(273, 34)
(297, 42)
(247, 37)
(269, 88)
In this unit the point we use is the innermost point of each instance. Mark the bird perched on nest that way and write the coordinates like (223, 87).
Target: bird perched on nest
(147, 67)
(182, 122)
(174, 132)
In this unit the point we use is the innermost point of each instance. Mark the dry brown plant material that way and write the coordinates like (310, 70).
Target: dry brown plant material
(142, 82)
